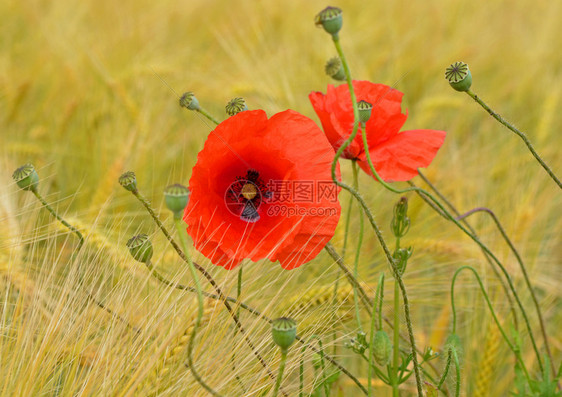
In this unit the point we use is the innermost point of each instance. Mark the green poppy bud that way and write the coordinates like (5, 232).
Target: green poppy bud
(176, 197)
(453, 341)
(400, 223)
(26, 177)
(382, 348)
(236, 106)
(459, 77)
(330, 18)
(284, 332)
(140, 248)
(334, 69)
(365, 109)
(189, 101)
(129, 181)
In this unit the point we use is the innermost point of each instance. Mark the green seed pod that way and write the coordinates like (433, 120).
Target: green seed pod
(26, 177)
(382, 348)
(189, 101)
(129, 181)
(284, 332)
(316, 361)
(140, 248)
(236, 106)
(365, 109)
(330, 18)
(334, 69)
(176, 197)
(459, 77)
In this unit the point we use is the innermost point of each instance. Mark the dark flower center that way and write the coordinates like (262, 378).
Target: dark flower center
(245, 195)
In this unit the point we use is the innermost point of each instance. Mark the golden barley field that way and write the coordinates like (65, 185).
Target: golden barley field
(90, 89)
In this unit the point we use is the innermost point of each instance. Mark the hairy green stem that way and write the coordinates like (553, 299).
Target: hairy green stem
(359, 243)
(208, 115)
(281, 370)
(469, 227)
(487, 299)
(60, 219)
(518, 133)
(209, 278)
(183, 239)
(523, 271)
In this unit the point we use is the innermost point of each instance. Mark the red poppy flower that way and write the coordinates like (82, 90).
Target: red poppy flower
(262, 188)
(396, 155)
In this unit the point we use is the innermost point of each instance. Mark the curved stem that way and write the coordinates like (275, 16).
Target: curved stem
(518, 133)
(209, 278)
(487, 299)
(60, 219)
(180, 230)
(525, 275)
(447, 366)
(469, 227)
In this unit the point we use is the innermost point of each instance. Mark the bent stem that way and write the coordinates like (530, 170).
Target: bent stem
(525, 275)
(180, 230)
(211, 281)
(391, 261)
(520, 134)
(487, 299)
(60, 219)
(469, 227)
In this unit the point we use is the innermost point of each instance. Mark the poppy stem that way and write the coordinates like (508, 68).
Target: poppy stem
(359, 243)
(60, 219)
(523, 271)
(208, 115)
(281, 370)
(209, 278)
(183, 239)
(469, 227)
(375, 227)
(521, 135)
(473, 236)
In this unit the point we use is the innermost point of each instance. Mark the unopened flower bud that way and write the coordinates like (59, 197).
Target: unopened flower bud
(382, 348)
(334, 69)
(284, 332)
(176, 197)
(330, 18)
(189, 101)
(453, 341)
(400, 223)
(129, 181)
(365, 109)
(459, 77)
(236, 106)
(26, 177)
(140, 248)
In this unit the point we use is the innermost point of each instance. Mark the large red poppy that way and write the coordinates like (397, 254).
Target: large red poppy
(262, 188)
(396, 155)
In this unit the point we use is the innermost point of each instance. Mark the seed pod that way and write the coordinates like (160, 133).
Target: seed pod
(365, 109)
(140, 248)
(176, 197)
(330, 18)
(189, 101)
(26, 177)
(334, 69)
(284, 332)
(235, 106)
(459, 77)
(129, 181)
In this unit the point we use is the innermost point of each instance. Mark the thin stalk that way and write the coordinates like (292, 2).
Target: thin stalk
(281, 370)
(396, 341)
(518, 133)
(209, 278)
(346, 143)
(60, 219)
(181, 231)
(525, 276)
(458, 374)
(447, 366)
(208, 115)
(377, 305)
(469, 227)
(487, 299)
(359, 243)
